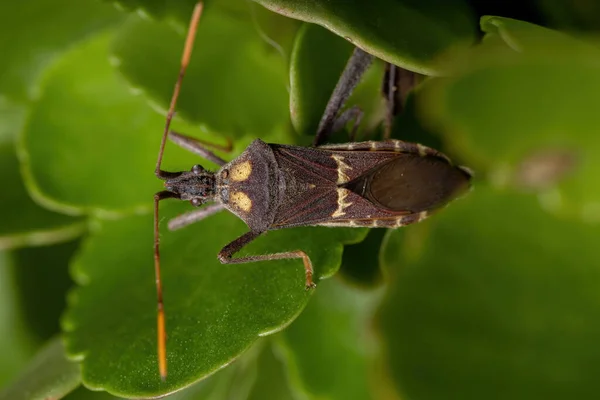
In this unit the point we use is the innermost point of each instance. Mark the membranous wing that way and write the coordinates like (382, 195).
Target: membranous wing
(411, 182)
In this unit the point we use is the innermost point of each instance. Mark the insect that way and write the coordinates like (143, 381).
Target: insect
(387, 183)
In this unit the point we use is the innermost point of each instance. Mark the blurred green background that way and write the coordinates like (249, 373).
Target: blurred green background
(497, 296)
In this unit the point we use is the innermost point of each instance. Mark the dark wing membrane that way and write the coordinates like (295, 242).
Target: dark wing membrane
(411, 183)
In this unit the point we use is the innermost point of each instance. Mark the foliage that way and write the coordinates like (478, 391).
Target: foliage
(494, 297)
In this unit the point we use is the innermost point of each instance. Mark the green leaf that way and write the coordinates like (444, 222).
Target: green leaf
(48, 375)
(407, 33)
(360, 262)
(500, 301)
(328, 349)
(527, 117)
(100, 141)
(533, 39)
(271, 381)
(81, 393)
(233, 382)
(235, 82)
(318, 59)
(17, 344)
(37, 31)
(42, 273)
(214, 312)
(24, 223)
(13, 118)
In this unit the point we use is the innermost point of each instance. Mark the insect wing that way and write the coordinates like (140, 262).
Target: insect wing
(411, 183)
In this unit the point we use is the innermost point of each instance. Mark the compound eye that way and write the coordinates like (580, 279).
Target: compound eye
(196, 202)
(197, 169)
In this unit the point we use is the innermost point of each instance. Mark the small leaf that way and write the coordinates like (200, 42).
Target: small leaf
(24, 223)
(13, 118)
(328, 350)
(406, 33)
(48, 375)
(214, 312)
(360, 262)
(527, 118)
(271, 381)
(37, 31)
(318, 59)
(500, 302)
(42, 273)
(17, 344)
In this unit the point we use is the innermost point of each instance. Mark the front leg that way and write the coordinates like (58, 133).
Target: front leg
(226, 254)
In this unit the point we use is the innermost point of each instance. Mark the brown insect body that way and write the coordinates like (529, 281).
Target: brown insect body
(375, 184)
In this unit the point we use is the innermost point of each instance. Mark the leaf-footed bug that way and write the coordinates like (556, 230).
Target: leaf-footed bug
(386, 184)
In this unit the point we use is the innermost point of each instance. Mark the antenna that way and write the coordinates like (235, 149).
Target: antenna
(185, 59)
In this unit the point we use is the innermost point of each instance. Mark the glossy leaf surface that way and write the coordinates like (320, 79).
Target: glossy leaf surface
(404, 32)
(214, 312)
(467, 318)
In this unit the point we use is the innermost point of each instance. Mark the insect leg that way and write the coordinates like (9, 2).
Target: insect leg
(353, 113)
(194, 216)
(226, 254)
(397, 83)
(355, 68)
(198, 147)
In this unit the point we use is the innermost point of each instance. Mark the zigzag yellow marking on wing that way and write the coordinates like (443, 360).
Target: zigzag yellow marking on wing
(342, 167)
(342, 194)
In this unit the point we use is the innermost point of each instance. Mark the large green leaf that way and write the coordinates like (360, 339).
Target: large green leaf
(408, 33)
(235, 82)
(522, 107)
(48, 375)
(35, 32)
(234, 382)
(497, 300)
(91, 155)
(214, 311)
(24, 223)
(330, 352)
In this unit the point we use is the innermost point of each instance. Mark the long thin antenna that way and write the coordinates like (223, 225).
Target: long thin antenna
(185, 60)
(160, 320)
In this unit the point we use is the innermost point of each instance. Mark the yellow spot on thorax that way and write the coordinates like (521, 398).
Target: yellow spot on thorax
(240, 172)
(241, 201)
